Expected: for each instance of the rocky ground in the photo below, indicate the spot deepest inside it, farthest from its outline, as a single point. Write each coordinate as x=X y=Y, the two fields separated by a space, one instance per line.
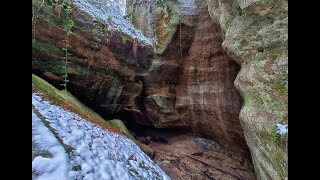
x=185 y=157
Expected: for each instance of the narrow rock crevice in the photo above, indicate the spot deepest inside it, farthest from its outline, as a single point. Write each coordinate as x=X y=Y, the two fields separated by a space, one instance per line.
x=196 y=91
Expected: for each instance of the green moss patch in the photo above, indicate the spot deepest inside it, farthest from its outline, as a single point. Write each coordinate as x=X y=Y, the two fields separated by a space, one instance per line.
x=118 y=124
x=63 y=98
x=282 y=87
x=275 y=145
x=45 y=48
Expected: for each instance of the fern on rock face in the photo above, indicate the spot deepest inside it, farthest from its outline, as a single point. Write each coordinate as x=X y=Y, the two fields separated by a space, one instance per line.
x=68 y=29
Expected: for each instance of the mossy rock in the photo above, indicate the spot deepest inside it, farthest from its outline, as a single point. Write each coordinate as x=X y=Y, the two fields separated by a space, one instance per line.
x=62 y=97
x=118 y=124
x=166 y=20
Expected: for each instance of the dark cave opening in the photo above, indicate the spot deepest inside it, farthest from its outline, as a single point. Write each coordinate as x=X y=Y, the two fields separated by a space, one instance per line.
x=137 y=123
x=131 y=119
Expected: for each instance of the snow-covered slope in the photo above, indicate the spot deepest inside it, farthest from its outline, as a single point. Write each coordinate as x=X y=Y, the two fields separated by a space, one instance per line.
x=112 y=13
x=78 y=149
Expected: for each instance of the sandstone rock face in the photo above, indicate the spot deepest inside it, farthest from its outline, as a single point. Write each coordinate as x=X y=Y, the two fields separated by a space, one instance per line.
x=156 y=19
x=190 y=85
x=256 y=36
x=187 y=80
x=102 y=61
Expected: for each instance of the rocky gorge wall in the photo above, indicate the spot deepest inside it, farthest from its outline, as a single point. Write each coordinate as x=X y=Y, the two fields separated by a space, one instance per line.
x=190 y=84
x=102 y=63
x=219 y=69
x=256 y=36
x=196 y=91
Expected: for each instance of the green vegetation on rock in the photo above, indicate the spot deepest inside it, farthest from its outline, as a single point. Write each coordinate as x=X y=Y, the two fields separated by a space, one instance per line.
x=41 y=85
x=64 y=97
x=45 y=48
x=256 y=36
x=156 y=19
x=118 y=124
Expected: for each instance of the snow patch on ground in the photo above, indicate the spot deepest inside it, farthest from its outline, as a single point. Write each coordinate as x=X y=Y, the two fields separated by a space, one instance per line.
x=97 y=154
x=112 y=13
x=282 y=129
x=55 y=167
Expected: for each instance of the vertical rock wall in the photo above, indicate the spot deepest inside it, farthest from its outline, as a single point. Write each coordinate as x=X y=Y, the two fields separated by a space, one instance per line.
x=256 y=36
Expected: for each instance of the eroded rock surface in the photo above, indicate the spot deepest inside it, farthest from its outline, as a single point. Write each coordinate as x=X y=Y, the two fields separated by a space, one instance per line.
x=103 y=61
x=256 y=36
x=190 y=85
